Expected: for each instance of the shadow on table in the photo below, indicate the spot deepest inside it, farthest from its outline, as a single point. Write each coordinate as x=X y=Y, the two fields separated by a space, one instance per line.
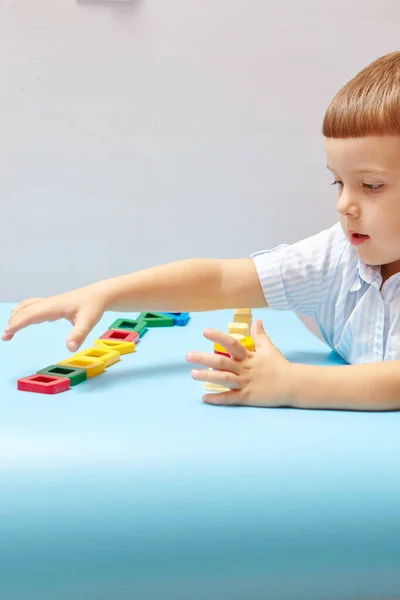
x=133 y=373
x=315 y=358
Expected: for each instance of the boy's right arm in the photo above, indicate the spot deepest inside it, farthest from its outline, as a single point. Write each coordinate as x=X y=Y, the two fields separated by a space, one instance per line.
x=183 y=286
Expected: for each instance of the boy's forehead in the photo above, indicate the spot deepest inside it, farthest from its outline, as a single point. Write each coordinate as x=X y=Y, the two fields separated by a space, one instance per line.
x=379 y=154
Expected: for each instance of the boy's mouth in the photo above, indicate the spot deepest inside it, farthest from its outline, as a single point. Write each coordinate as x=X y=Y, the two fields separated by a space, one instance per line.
x=357 y=238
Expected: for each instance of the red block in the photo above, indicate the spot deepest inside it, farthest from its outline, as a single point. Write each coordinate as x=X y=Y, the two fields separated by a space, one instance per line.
x=222 y=353
x=120 y=335
x=43 y=384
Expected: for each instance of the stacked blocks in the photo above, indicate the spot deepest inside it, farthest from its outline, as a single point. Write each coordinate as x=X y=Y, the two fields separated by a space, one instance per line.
x=240 y=329
x=243 y=315
x=121 y=338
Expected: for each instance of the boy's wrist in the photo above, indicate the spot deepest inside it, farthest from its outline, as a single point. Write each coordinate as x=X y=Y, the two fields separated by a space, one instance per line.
x=293 y=376
x=110 y=291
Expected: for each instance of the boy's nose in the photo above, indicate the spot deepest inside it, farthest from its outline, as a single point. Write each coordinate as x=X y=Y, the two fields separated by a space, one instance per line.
x=347 y=205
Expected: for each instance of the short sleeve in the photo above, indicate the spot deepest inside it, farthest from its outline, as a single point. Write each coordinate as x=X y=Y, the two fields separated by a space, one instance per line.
x=297 y=277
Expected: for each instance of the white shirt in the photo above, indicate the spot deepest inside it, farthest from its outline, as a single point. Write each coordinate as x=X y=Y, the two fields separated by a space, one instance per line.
x=323 y=278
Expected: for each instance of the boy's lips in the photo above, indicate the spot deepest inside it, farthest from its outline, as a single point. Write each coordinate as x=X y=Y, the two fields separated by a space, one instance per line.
x=352 y=232
x=357 y=238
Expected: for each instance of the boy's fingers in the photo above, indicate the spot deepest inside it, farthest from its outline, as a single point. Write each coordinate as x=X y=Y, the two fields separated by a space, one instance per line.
x=215 y=361
x=232 y=346
x=231 y=398
x=223 y=378
x=25 y=304
x=83 y=324
x=6 y=338
x=32 y=315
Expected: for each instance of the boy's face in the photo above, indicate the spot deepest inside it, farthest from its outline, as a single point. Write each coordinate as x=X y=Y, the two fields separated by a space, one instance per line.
x=367 y=171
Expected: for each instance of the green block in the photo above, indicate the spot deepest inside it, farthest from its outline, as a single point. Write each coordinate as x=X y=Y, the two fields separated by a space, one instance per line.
x=130 y=325
x=73 y=374
x=156 y=319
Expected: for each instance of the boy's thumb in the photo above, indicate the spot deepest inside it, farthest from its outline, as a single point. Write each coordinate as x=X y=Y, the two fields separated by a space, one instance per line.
x=261 y=339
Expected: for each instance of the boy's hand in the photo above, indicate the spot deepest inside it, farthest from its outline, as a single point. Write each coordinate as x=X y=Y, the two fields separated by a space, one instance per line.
x=83 y=308
x=260 y=378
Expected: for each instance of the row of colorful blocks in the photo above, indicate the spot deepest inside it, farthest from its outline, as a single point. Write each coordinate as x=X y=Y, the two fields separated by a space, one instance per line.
x=120 y=338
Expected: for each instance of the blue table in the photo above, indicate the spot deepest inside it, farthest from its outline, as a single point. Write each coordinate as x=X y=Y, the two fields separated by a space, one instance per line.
x=128 y=486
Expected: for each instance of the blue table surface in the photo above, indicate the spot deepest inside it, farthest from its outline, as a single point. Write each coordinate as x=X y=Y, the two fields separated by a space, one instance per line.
x=128 y=486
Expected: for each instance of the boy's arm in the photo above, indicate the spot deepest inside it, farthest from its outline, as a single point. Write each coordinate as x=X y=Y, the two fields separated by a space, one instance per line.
x=371 y=386
x=185 y=286
x=192 y=285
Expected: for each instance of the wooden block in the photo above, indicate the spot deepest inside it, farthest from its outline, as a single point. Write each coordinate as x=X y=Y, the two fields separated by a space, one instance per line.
x=243 y=311
x=214 y=387
x=74 y=374
x=43 y=384
x=121 y=347
x=241 y=328
x=92 y=366
x=107 y=355
x=243 y=315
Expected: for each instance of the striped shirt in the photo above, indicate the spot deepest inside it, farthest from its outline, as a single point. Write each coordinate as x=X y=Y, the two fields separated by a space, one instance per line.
x=322 y=277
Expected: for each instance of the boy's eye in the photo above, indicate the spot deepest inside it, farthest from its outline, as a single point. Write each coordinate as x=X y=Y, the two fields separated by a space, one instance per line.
x=374 y=187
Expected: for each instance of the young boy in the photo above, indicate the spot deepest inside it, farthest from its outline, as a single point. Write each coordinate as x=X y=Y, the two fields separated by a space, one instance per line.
x=346 y=278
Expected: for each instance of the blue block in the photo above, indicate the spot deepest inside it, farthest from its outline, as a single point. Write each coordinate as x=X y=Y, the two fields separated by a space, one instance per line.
x=180 y=319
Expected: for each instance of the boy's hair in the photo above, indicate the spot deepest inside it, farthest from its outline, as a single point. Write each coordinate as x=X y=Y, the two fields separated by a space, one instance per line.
x=369 y=104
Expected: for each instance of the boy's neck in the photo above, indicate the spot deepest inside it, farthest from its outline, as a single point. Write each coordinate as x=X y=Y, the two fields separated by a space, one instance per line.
x=388 y=270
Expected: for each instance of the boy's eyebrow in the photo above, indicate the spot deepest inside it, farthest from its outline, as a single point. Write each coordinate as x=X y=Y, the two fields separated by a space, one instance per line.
x=366 y=170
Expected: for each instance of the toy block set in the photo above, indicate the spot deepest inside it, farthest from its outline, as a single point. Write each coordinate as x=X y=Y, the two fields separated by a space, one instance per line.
x=240 y=329
x=121 y=338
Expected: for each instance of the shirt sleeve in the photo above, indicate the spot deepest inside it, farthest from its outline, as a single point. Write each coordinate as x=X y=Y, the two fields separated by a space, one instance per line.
x=297 y=277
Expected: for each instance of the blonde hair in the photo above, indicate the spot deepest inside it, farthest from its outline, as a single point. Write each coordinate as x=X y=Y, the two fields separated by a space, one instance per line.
x=369 y=104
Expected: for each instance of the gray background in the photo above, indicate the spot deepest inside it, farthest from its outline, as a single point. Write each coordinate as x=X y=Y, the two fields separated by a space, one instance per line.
x=139 y=132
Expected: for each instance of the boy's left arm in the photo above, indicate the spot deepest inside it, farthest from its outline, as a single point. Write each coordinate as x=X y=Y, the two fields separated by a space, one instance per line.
x=267 y=378
x=371 y=386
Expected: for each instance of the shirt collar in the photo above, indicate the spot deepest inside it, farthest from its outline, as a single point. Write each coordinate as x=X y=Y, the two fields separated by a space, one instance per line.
x=368 y=273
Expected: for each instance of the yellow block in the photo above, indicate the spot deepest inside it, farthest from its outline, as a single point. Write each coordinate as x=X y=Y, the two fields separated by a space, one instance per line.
x=241 y=328
x=245 y=340
x=215 y=387
x=107 y=356
x=243 y=315
x=92 y=366
x=120 y=347
x=242 y=311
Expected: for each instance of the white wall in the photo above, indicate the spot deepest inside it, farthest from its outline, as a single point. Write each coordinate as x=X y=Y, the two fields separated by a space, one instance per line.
x=138 y=132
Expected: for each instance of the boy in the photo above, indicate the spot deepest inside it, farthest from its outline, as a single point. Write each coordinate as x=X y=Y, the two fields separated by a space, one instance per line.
x=346 y=278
